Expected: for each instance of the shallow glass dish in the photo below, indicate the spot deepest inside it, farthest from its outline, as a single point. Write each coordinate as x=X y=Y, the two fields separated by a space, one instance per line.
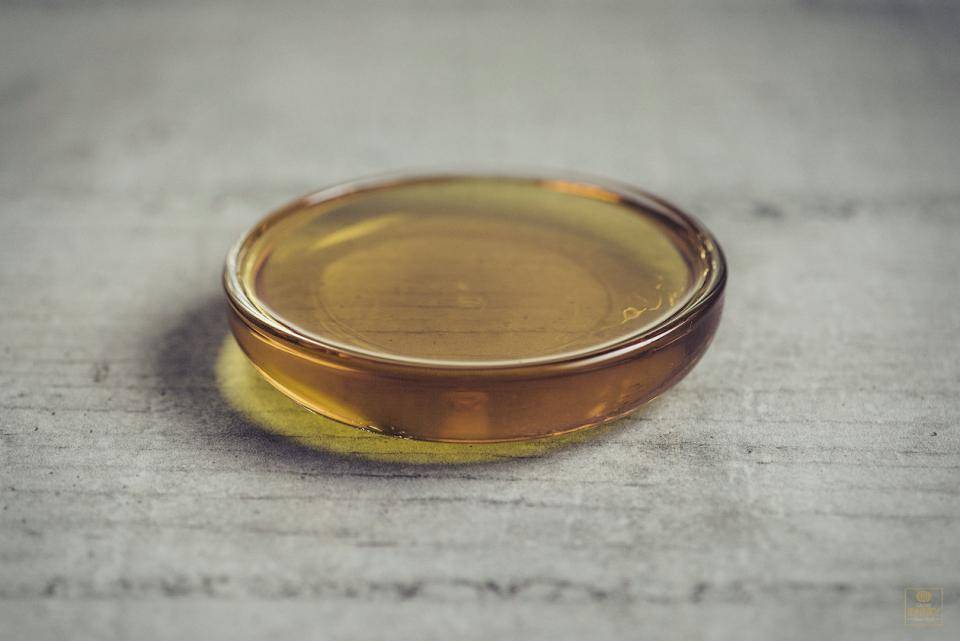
x=475 y=308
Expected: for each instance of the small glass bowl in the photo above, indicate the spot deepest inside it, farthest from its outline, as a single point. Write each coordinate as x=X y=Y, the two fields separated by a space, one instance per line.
x=475 y=308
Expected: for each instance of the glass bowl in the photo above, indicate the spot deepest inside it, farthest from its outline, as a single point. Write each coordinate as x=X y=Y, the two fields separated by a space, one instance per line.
x=475 y=308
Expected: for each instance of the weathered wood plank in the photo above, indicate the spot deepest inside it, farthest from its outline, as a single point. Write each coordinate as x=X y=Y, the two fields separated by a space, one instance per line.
x=803 y=475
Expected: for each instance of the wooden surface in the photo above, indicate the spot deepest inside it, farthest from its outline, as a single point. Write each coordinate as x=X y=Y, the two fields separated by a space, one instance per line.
x=791 y=487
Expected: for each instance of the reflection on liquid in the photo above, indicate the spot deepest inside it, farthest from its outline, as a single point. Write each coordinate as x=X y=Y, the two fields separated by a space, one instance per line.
x=247 y=392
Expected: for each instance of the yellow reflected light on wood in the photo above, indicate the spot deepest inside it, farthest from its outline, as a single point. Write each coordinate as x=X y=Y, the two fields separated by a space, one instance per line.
x=248 y=393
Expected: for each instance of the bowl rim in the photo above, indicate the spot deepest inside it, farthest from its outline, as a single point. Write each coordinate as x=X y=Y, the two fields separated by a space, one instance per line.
x=676 y=325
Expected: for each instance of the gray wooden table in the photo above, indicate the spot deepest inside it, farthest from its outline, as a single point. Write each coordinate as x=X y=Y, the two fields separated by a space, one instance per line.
x=791 y=487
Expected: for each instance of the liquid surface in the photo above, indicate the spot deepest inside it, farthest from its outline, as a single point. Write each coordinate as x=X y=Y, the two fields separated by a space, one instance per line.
x=469 y=271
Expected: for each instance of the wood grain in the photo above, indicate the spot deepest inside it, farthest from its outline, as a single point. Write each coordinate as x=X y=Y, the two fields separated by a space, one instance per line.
x=791 y=487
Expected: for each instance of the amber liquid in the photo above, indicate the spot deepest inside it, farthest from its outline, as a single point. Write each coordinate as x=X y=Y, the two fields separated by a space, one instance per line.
x=446 y=279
